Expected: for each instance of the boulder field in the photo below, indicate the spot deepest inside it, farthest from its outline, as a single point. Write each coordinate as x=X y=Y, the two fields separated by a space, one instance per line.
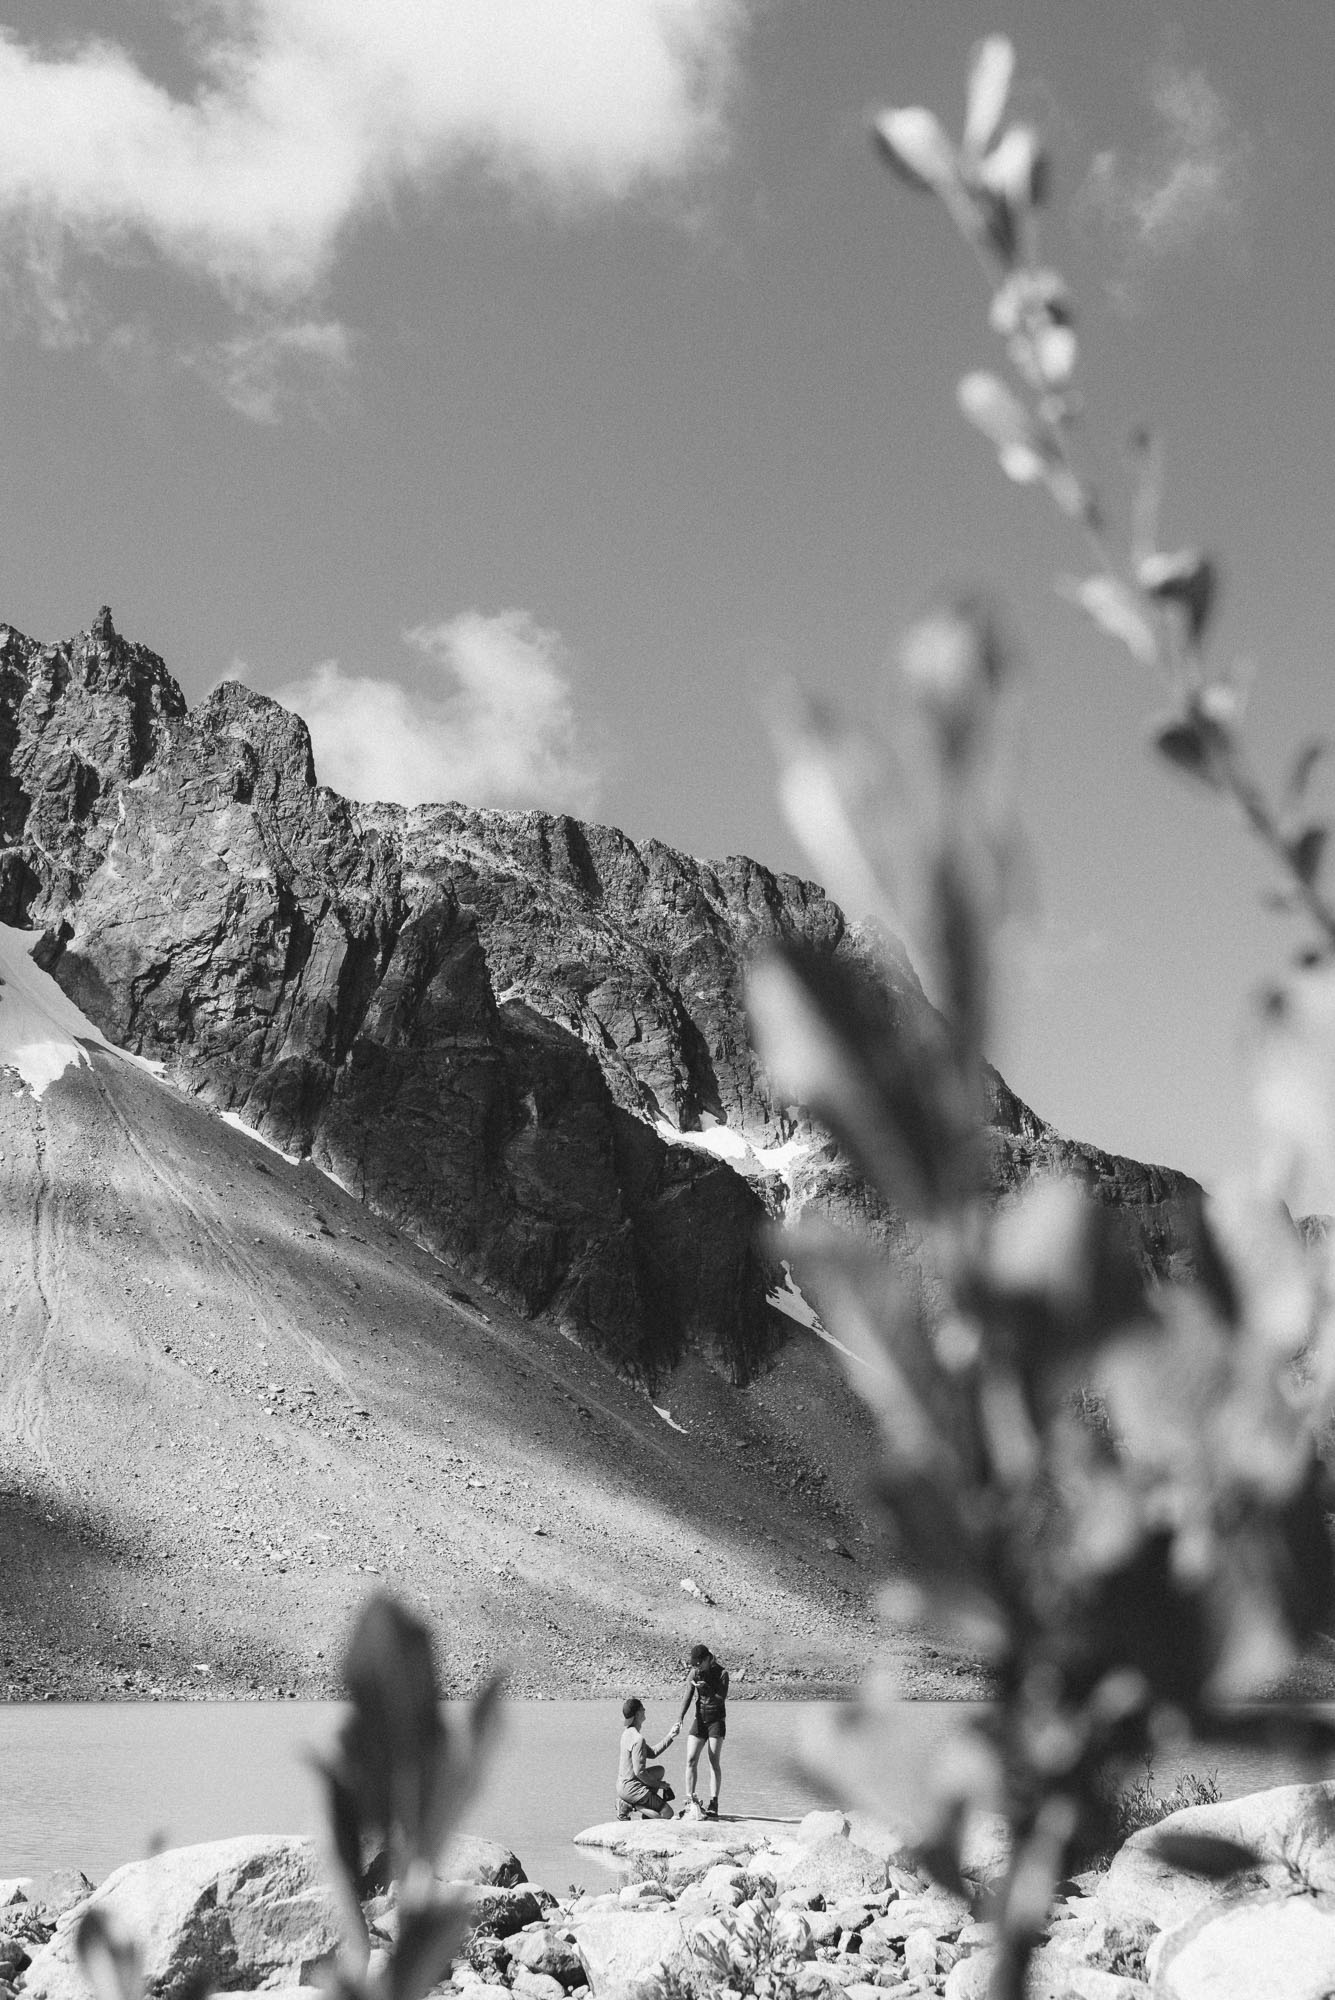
x=832 y=1905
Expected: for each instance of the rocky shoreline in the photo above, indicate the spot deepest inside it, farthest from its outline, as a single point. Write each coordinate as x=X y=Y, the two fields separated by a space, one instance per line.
x=826 y=1907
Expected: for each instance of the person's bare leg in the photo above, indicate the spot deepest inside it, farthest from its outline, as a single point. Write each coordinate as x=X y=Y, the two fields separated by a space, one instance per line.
x=715 y=1757
x=694 y=1745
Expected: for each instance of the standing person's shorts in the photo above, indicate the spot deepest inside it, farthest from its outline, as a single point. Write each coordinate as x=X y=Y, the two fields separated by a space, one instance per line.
x=709 y=1724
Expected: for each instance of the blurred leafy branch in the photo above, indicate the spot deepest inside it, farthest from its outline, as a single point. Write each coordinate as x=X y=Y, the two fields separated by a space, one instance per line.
x=1129 y=1579
x=1157 y=603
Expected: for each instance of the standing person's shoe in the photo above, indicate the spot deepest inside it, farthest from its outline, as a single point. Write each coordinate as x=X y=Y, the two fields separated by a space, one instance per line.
x=711 y=1810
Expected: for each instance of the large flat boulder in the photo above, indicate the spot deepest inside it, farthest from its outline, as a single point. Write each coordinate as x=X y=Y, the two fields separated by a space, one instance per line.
x=1281 y=1943
x=631 y=1837
x=1291 y=1828
x=227 y=1914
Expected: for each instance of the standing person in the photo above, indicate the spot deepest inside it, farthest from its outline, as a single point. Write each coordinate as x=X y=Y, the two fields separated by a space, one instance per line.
x=708 y=1690
x=640 y=1784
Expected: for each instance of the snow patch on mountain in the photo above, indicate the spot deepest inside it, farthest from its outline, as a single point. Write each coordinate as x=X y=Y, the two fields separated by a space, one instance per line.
x=725 y=1142
x=42 y=1032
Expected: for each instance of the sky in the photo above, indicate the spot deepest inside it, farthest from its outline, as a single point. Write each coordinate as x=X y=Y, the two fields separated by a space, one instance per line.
x=523 y=389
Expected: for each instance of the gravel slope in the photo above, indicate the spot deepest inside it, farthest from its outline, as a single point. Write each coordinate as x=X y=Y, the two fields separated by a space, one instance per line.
x=232 y=1401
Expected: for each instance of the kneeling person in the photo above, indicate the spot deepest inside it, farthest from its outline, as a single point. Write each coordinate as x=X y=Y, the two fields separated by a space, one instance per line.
x=640 y=1784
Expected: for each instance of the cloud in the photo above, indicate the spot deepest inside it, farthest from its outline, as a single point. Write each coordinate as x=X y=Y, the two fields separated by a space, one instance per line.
x=1191 y=182
x=307 y=113
x=491 y=721
x=270 y=367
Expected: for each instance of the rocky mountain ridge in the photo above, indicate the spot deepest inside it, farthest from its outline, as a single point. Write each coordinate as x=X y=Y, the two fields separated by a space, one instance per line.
x=520 y=1038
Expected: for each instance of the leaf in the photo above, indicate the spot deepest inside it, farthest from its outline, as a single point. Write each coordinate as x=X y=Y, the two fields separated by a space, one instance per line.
x=999 y=414
x=994 y=409
x=109 y=1963
x=1115 y=610
x=833 y=1044
x=1305 y=852
x=914 y=143
x=1187 y=579
x=990 y=77
x=1304 y=764
x=394 y=1740
x=1016 y=172
x=1145 y=455
x=954 y=660
x=1197 y=745
x=1056 y=351
x=424 y=1946
x=1207 y=1854
x=345 y=1840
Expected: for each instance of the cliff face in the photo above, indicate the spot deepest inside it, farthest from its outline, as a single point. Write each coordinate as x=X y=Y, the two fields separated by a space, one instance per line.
x=518 y=1037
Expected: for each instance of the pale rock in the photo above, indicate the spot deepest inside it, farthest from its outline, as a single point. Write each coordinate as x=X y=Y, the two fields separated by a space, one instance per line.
x=470 y=1858
x=693 y=1863
x=1275 y=1946
x=819 y=1826
x=836 y=1866
x=537 y=1985
x=1290 y=1828
x=865 y=1830
x=852 y=1916
x=236 y=1913
x=935 y=1910
x=1093 y=1982
x=660 y=1838
x=823 y=1925
x=15 y=1889
x=695 y=1901
x=812 y=1978
x=627 y=1944
x=279 y=1993
x=55 y=1894
x=920 y=1954
x=548 y=1952
x=1049 y=1979
x=724 y=1885
x=792 y=1933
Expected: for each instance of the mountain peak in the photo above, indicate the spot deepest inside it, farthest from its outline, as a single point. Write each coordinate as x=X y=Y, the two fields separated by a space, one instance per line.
x=502 y=1030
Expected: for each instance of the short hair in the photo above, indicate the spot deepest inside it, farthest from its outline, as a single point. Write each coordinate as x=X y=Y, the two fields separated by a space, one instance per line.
x=699 y=1654
x=630 y=1705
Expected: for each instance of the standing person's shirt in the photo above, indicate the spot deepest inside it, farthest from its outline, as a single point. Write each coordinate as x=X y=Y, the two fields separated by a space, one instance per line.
x=709 y=1686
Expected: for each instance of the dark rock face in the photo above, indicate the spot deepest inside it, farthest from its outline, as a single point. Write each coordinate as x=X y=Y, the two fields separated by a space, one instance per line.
x=493 y=1027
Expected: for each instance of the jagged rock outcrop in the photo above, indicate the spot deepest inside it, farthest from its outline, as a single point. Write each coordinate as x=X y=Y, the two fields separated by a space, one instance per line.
x=519 y=1037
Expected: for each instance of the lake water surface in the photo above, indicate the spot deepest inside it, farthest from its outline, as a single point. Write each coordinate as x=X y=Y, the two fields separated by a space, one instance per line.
x=91 y=1785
